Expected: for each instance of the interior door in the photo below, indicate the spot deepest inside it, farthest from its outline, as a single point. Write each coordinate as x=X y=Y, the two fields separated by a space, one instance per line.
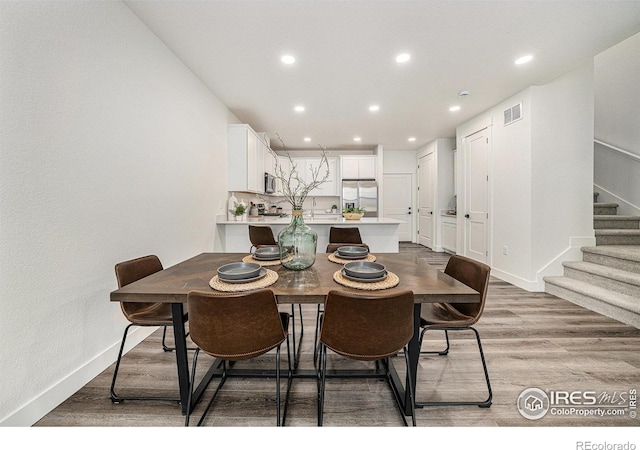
x=397 y=202
x=426 y=187
x=476 y=216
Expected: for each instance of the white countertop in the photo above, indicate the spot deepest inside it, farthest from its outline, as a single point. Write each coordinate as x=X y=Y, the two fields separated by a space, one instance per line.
x=272 y=220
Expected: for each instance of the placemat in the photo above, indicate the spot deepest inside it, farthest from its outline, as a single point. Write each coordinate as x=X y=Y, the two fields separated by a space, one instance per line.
x=392 y=280
x=219 y=285
x=251 y=259
x=336 y=259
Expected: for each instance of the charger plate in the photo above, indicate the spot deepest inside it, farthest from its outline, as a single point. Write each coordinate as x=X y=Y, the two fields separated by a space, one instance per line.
x=336 y=259
x=219 y=285
x=392 y=280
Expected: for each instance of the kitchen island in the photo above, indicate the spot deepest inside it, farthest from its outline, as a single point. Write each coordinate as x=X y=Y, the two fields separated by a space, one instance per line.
x=379 y=233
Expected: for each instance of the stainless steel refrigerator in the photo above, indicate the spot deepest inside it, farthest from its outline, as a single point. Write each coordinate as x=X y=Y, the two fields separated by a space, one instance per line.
x=361 y=194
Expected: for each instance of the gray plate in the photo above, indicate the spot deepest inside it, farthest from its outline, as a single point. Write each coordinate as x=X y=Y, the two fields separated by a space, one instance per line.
x=239 y=271
x=349 y=250
x=349 y=257
x=364 y=269
x=365 y=280
x=267 y=253
x=261 y=274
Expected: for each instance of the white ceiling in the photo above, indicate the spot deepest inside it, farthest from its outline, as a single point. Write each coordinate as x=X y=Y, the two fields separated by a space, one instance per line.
x=346 y=52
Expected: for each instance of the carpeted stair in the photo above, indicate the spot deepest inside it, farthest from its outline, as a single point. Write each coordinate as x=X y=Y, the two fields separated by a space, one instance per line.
x=607 y=280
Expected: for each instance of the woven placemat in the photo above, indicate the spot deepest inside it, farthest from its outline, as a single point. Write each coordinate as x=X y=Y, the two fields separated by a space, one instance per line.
x=336 y=259
x=251 y=259
x=219 y=285
x=392 y=280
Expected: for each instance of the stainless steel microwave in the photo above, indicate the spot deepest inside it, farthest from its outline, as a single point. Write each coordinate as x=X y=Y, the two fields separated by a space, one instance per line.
x=269 y=183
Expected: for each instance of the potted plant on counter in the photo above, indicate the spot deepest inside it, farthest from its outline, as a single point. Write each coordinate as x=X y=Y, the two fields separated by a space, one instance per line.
x=239 y=211
x=353 y=213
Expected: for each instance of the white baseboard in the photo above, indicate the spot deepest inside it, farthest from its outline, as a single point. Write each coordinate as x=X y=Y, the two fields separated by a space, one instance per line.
x=572 y=253
x=527 y=285
x=44 y=403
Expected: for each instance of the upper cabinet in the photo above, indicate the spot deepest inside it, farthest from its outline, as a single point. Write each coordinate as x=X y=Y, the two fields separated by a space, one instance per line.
x=304 y=166
x=249 y=158
x=358 y=167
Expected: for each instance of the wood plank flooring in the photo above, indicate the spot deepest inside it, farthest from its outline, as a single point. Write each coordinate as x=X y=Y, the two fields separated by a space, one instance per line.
x=529 y=339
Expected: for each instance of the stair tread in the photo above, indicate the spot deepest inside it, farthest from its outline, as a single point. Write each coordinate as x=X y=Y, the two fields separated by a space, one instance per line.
x=597 y=269
x=626 y=252
x=606 y=205
x=589 y=290
x=617 y=232
x=614 y=217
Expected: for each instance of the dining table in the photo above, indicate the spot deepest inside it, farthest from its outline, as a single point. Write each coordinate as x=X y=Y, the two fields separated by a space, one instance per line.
x=310 y=286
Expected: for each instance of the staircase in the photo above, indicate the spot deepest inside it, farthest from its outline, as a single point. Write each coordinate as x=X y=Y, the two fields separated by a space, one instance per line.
x=607 y=280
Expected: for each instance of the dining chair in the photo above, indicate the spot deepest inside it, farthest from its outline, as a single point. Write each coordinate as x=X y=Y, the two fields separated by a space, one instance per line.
x=338 y=237
x=262 y=236
x=366 y=328
x=459 y=317
x=341 y=236
x=147 y=314
x=237 y=326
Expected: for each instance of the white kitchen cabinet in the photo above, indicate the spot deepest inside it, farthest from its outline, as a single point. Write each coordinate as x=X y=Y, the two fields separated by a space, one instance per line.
x=449 y=235
x=304 y=166
x=246 y=159
x=358 y=167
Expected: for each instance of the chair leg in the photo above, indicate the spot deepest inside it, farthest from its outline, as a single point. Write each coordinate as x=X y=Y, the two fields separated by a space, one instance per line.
x=316 y=344
x=411 y=388
x=117 y=399
x=484 y=403
x=191 y=386
x=322 y=380
x=215 y=394
x=289 y=381
x=437 y=352
x=278 y=386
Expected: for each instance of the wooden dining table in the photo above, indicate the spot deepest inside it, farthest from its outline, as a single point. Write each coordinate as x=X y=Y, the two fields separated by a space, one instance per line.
x=309 y=286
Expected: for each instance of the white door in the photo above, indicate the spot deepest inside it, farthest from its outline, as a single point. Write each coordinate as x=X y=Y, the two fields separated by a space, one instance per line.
x=397 y=200
x=476 y=216
x=426 y=186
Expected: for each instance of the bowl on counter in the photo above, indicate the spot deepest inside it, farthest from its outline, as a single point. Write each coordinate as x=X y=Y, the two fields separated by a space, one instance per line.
x=353 y=216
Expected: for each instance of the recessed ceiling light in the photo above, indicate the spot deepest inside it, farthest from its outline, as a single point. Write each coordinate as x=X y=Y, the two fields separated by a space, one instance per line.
x=299 y=108
x=288 y=59
x=524 y=59
x=307 y=139
x=357 y=139
x=463 y=93
x=411 y=139
x=454 y=108
x=403 y=58
x=374 y=108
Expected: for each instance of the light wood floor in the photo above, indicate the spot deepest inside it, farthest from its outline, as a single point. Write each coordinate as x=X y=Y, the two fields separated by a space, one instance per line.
x=529 y=339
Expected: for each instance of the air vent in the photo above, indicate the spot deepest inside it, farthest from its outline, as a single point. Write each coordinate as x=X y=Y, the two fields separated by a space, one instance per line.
x=513 y=114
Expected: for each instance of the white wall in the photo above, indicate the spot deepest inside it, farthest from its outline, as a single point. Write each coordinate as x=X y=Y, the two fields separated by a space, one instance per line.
x=540 y=170
x=617 y=117
x=109 y=146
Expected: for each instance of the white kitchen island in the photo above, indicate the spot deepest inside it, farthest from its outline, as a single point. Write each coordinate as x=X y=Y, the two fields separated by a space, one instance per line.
x=379 y=233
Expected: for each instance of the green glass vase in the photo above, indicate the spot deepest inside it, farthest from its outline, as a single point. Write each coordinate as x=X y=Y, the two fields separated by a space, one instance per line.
x=297 y=243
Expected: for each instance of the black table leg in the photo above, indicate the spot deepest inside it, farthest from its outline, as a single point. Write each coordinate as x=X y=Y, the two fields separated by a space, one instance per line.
x=182 y=362
x=414 y=354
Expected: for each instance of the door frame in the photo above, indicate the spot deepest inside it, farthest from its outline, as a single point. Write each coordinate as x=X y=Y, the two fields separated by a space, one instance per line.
x=463 y=182
x=413 y=220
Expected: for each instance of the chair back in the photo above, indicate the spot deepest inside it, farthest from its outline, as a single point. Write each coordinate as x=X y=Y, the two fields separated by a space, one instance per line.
x=475 y=275
x=235 y=326
x=261 y=235
x=345 y=235
x=133 y=270
x=367 y=327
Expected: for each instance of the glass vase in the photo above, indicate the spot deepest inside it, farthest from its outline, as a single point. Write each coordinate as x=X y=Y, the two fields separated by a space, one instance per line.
x=297 y=243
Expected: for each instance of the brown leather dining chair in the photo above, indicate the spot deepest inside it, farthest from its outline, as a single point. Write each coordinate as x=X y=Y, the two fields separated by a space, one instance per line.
x=263 y=236
x=459 y=316
x=340 y=236
x=237 y=326
x=365 y=328
x=141 y=314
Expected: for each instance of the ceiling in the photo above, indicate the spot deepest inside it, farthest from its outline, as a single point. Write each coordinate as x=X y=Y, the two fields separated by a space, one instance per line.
x=345 y=60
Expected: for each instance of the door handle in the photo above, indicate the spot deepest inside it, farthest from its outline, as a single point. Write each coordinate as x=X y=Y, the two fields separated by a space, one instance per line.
x=431 y=212
x=466 y=216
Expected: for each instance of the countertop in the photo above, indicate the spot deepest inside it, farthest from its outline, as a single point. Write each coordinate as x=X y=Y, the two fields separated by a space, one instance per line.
x=272 y=220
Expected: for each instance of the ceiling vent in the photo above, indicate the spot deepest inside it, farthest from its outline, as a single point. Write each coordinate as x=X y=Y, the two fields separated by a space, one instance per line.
x=513 y=114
